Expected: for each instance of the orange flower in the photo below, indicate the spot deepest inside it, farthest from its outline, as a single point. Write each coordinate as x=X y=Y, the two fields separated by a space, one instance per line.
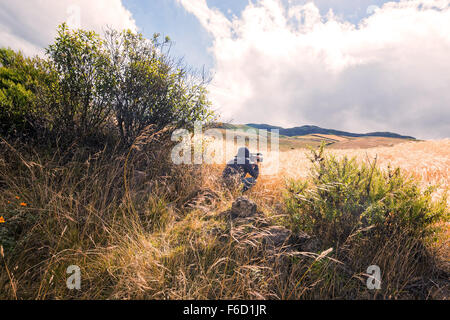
x=23 y=204
x=2 y=220
x=17 y=197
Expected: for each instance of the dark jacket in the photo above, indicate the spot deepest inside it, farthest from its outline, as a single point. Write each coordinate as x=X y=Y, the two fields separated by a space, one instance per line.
x=241 y=166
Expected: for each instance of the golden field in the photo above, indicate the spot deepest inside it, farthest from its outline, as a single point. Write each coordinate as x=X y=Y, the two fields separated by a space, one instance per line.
x=166 y=236
x=428 y=161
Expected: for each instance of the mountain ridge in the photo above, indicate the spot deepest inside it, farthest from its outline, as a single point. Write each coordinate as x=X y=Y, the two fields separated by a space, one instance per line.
x=310 y=129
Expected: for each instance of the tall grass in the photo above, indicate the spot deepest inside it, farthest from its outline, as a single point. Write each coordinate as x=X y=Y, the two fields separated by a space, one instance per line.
x=140 y=227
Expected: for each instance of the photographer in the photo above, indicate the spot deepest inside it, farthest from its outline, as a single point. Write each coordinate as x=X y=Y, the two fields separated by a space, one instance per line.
x=242 y=165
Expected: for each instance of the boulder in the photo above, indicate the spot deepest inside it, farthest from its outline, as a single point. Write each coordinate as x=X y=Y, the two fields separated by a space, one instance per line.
x=249 y=226
x=243 y=208
x=276 y=237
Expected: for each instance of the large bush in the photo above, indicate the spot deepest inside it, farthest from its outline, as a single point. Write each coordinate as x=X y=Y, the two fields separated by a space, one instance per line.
x=18 y=79
x=87 y=84
x=344 y=196
x=149 y=87
x=369 y=217
x=80 y=99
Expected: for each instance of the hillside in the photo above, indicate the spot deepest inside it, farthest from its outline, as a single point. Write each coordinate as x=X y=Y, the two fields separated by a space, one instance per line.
x=305 y=130
x=313 y=136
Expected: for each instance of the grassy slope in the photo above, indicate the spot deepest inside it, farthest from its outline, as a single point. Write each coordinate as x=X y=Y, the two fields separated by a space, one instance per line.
x=160 y=238
x=287 y=143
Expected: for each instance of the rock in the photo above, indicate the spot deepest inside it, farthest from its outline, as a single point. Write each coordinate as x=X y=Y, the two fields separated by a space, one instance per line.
x=250 y=227
x=257 y=221
x=306 y=243
x=276 y=236
x=243 y=208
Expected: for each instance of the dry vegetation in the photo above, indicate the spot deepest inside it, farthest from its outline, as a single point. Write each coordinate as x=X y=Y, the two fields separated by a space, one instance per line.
x=86 y=179
x=428 y=161
x=158 y=233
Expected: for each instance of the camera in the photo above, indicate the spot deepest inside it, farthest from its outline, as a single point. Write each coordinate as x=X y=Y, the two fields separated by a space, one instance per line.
x=256 y=157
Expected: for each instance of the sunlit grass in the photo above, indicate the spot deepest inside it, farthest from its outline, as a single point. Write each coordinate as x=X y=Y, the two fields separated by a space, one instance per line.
x=159 y=238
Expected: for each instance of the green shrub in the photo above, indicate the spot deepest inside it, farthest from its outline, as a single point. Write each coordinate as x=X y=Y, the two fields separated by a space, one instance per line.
x=16 y=92
x=82 y=95
x=343 y=196
x=89 y=87
x=149 y=87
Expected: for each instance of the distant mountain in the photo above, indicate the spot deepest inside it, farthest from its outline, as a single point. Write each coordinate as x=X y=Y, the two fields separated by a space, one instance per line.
x=305 y=130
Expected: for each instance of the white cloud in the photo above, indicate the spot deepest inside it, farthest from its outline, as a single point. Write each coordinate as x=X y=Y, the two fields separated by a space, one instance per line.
x=290 y=65
x=31 y=25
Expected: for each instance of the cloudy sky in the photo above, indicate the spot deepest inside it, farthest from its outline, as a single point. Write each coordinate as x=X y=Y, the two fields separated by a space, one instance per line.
x=355 y=65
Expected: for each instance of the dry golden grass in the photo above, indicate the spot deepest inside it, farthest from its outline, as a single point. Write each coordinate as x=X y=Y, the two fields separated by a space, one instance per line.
x=428 y=161
x=332 y=137
x=138 y=239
